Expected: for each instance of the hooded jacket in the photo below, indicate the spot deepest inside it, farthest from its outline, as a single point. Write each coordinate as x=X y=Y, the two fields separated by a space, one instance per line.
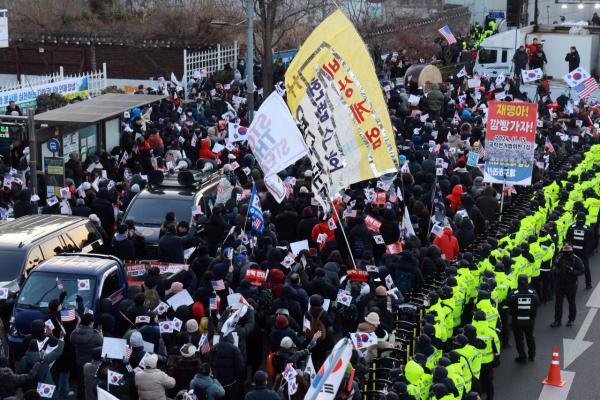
x=84 y=339
x=448 y=244
x=454 y=197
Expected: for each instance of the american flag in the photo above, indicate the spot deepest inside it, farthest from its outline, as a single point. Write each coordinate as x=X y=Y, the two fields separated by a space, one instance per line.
x=218 y=285
x=447 y=34
x=587 y=87
x=67 y=315
x=213 y=303
x=481 y=151
x=204 y=344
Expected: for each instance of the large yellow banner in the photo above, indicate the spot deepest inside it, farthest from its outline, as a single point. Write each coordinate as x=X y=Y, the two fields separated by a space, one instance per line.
x=333 y=93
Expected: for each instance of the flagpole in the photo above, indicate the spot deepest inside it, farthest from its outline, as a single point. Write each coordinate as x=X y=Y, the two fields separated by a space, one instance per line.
x=344 y=234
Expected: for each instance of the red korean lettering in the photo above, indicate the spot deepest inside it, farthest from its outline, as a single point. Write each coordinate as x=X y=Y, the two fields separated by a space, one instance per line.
x=358 y=109
x=332 y=67
x=373 y=137
x=344 y=88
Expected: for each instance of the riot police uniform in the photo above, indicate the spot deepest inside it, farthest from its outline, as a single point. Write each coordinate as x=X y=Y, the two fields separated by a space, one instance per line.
x=523 y=304
x=581 y=237
x=568 y=268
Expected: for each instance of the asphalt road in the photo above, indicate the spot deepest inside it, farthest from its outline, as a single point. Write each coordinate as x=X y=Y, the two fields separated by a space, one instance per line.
x=514 y=381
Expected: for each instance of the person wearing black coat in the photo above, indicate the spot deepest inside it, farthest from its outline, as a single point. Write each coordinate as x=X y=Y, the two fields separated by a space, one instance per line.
x=80 y=209
x=260 y=390
x=122 y=246
x=488 y=204
x=215 y=230
x=465 y=233
x=306 y=225
x=102 y=207
x=228 y=367
x=171 y=246
x=389 y=230
x=573 y=58
x=320 y=285
x=286 y=222
x=475 y=215
x=23 y=205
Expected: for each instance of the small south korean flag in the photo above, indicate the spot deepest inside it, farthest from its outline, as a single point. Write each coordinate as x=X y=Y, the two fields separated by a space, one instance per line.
x=532 y=75
x=461 y=73
x=3 y=293
x=343 y=297
x=114 y=377
x=45 y=390
x=83 y=284
x=331 y=224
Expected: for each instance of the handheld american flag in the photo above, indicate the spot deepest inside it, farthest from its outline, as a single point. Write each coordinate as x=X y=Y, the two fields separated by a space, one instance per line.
x=587 y=87
x=67 y=315
x=447 y=34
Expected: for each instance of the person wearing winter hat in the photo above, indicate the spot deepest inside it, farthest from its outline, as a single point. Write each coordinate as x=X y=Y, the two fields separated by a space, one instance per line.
x=280 y=330
x=287 y=353
x=151 y=382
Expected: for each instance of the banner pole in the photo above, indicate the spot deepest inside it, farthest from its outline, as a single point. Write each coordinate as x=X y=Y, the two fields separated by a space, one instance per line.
x=344 y=234
x=502 y=198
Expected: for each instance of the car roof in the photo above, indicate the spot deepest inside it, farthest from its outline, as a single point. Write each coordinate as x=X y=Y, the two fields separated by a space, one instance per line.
x=31 y=228
x=166 y=192
x=78 y=264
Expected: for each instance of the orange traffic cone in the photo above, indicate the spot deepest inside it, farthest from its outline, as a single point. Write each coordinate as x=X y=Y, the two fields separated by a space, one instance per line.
x=554 y=371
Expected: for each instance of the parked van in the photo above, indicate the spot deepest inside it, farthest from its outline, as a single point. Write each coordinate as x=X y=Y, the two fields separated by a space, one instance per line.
x=29 y=240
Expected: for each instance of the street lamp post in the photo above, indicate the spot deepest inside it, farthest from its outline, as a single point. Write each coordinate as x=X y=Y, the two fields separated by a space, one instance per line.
x=250 y=59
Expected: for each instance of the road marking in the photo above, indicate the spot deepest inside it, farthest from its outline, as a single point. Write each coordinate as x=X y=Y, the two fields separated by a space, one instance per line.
x=558 y=393
x=573 y=348
x=594 y=300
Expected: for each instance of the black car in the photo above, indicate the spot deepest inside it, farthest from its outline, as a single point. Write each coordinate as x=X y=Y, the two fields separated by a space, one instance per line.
x=148 y=208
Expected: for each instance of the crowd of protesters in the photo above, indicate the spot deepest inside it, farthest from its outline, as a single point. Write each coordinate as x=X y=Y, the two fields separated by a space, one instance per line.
x=294 y=314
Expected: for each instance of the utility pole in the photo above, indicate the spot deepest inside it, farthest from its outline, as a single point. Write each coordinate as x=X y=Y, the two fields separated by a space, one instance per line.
x=250 y=60
x=32 y=150
x=536 y=14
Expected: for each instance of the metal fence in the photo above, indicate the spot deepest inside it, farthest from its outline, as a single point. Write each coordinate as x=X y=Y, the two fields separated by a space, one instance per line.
x=211 y=60
x=97 y=81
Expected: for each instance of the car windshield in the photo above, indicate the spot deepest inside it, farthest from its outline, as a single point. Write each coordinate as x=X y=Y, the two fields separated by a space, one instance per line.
x=12 y=264
x=487 y=56
x=152 y=211
x=41 y=287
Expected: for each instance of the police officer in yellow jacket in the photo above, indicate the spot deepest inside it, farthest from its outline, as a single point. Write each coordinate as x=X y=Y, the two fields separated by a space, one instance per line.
x=492 y=348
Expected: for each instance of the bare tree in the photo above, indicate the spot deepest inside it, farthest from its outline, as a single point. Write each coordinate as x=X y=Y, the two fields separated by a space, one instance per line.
x=276 y=20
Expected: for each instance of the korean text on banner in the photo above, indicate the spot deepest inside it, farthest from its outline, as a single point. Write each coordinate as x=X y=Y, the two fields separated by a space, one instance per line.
x=70 y=88
x=510 y=142
x=274 y=138
x=334 y=94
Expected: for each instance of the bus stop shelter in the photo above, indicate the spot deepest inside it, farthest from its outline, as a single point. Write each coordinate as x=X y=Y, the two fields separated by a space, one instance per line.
x=86 y=127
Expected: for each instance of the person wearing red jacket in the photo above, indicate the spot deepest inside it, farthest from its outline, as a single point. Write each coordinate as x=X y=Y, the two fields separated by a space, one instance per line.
x=454 y=197
x=448 y=244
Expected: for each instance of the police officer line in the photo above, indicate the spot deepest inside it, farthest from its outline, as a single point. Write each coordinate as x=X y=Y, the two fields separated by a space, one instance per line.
x=483 y=283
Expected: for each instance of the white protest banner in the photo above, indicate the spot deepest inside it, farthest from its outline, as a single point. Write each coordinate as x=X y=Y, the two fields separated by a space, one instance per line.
x=276 y=187
x=182 y=298
x=114 y=348
x=297 y=247
x=104 y=395
x=274 y=138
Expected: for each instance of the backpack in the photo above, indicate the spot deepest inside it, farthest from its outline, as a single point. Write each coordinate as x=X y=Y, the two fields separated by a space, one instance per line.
x=152 y=297
x=405 y=282
x=316 y=325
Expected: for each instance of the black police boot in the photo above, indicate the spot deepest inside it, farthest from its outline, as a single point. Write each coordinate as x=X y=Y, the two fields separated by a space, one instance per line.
x=555 y=324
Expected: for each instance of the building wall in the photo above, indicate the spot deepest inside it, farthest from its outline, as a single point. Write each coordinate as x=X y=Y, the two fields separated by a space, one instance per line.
x=480 y=8
x=123 y=62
